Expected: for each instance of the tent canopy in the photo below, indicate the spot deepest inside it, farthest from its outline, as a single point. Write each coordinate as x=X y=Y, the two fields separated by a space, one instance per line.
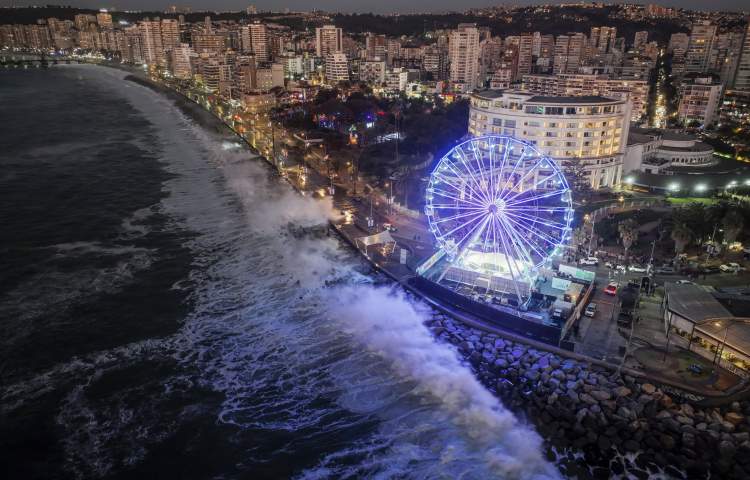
x=382 y=237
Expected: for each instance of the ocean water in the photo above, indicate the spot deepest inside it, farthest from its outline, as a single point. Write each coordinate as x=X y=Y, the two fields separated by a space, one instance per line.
x=158 y=318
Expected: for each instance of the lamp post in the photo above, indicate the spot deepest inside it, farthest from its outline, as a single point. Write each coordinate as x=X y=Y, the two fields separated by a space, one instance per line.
x=717 y=355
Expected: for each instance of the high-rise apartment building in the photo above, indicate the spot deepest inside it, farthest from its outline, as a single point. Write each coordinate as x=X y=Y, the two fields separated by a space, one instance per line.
x=463 y=54
x=525 y=53
x=104 y=19
x=259 y=40
x=699 y=100
x=337 y=68
x=153 y=48
x=702 y=36
x=170 y=33
x=328 y=40
x=640 y=39
x=569 y=50
x=180 y=59
x=742 y=75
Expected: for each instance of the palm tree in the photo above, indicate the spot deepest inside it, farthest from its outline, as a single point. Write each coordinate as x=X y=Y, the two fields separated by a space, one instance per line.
x=682 y=236
x=733 y=223
x=628 y=230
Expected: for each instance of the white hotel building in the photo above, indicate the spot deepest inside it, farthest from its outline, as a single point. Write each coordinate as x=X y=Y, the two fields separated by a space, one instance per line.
x=585 y=134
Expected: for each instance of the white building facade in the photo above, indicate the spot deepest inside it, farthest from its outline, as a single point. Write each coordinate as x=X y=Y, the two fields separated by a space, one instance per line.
x=587 y=135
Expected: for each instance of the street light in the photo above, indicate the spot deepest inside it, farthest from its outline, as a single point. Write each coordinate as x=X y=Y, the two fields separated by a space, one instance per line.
x=674 y=186
x=701 y=187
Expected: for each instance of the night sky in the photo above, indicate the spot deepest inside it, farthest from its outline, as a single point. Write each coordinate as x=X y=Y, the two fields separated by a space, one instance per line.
x=381 y=6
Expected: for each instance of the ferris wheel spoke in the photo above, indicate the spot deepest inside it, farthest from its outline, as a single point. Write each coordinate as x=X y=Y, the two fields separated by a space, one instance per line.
x=536 y=197
x=465 y=162
x=545 y=222
x=455 y=207
x=456 y=217
x=449 y=163
x=508 y=261
x=533 y=187
x=535 y=231
x=540 y=209
x=461 y=200
x=524 y=241
x=523 y=177
x=475 y=218
x=478 y=157
x=456 y=187
x=522 y=254
x=503 y=192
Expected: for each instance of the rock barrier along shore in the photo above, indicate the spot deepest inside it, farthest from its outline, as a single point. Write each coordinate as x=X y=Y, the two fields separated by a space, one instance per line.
x=618 y=422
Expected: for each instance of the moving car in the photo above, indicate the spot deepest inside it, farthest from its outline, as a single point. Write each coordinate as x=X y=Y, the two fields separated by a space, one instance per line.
x=731 y=267
x=590 y=310
x=684 y=282
x=666 y=270
x=589 y=261
x=611 y=289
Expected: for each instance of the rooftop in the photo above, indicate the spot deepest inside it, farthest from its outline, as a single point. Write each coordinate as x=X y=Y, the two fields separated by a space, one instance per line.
x=694 y=303
x=583 y=99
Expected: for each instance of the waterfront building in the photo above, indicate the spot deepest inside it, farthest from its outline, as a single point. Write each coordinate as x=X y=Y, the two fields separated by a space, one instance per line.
x=153 y=49
x=181 y=61
x=701 y=321
x=328 y=40
x=464 y=57
x=699 y=100
x=170 y=34
x=208 y=43
x=586 y=134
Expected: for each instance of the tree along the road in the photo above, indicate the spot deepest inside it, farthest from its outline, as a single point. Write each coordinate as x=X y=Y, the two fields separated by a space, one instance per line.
x=682 y=235
x=733 y=223
x=628 y=230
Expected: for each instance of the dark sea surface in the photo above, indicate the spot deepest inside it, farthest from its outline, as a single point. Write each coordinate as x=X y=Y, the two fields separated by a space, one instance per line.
x=158 y=318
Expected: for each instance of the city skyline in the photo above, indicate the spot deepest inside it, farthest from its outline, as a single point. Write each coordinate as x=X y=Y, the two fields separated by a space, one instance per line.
x=347 y=6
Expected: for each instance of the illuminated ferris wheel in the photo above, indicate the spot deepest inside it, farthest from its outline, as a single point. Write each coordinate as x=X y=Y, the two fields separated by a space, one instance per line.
x=499 y=208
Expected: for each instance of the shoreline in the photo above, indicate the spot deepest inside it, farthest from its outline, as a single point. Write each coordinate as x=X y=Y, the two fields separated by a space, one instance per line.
x=575 y=405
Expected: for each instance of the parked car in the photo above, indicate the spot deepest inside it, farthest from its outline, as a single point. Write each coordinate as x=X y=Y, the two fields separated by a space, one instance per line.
x=621 y=268
x=590 y=310
x=638 y=269
x=731 y=267
x=589 y=261
x=611 y=289
x=390 y=227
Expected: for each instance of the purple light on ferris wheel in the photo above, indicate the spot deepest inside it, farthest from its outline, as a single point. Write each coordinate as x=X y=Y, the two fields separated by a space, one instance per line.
x=501 y=202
